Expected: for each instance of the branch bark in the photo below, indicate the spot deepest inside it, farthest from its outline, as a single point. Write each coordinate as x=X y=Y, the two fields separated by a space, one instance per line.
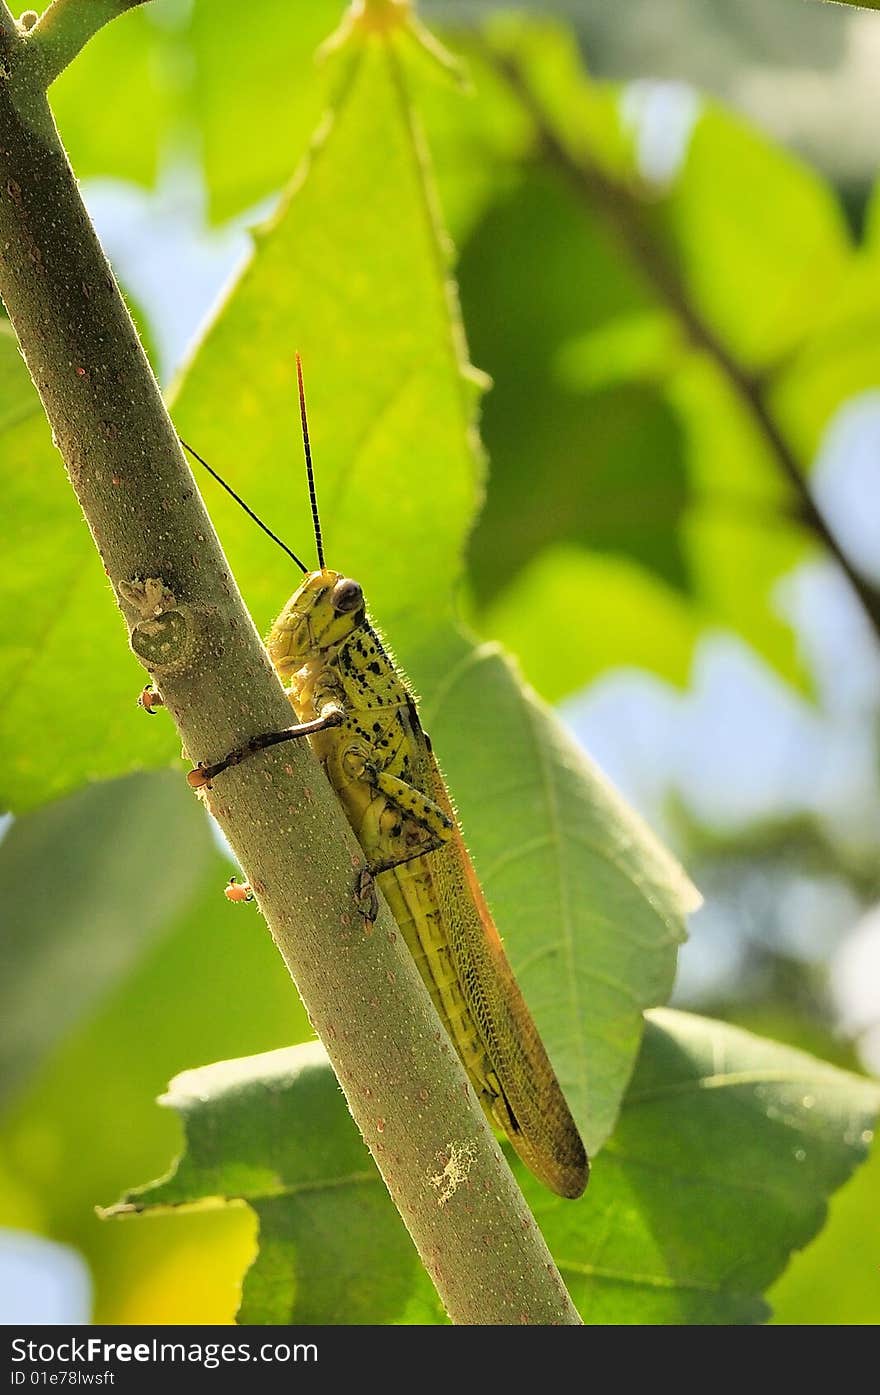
x=404 y=1084
x=623 y=212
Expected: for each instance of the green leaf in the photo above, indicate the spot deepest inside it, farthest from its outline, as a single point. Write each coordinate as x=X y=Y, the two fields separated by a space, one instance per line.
x=67 y=681
x=257 y=93
x=320 y=1197
x=726 y=1151
x=363 y=296
x=583 y=110
x=628 y=349
x=93 y=887
x=833 y=1280
x=739 y=535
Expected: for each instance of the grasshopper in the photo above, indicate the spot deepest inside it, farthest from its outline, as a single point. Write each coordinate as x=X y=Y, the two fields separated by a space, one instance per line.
x=356 y=708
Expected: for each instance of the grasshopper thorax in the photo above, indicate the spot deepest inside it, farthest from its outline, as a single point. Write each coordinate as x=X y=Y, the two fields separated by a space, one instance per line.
x=320 y=616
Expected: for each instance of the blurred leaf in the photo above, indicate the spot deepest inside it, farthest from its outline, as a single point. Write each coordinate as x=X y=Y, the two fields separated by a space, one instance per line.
x=872 y=217
x=68 y=683
x=740 y=536
x=578 y=884
x=477 y=142
x=604 y=469
x=637 y=348
x=570 y=615
x=724 y=1156
x=257 y=93
x=838 y=362
x=89 y=886
x=760 y=238
x=836 y=1281
x=130 y=63
x=612 y=438
x=210 y=984
x=583 y=110
x=591 y=365
x=246 y=92
x=738 y=559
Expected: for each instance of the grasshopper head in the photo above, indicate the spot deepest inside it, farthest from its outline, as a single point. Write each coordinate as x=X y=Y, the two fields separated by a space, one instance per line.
x=318 y=617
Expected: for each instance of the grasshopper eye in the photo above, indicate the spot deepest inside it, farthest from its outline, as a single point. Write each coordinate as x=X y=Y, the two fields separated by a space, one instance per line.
x=346 y=596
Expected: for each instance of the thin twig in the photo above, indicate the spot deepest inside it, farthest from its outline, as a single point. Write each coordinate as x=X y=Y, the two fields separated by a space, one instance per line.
x=624 y=213
x=65 y=28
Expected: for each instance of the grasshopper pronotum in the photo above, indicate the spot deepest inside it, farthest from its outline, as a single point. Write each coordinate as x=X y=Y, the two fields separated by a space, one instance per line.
x=354 y=704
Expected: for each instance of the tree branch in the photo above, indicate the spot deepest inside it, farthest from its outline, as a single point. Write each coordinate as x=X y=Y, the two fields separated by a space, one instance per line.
x=405 y=1085
x=624 y=213
x=65 y=28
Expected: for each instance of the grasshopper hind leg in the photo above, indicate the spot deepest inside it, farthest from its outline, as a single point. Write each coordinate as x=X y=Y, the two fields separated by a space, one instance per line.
x=404 y=824
x=365 y=894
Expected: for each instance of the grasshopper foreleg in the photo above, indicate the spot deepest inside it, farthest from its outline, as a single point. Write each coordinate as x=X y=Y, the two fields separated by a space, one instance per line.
x=203 y=774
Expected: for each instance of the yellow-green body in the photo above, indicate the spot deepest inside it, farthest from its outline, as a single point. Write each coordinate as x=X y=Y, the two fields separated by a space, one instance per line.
x=381 y=765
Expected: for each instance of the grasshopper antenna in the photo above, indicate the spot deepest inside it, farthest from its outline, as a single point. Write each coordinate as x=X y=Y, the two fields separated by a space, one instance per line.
x=313 y=499
x=248 y=510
